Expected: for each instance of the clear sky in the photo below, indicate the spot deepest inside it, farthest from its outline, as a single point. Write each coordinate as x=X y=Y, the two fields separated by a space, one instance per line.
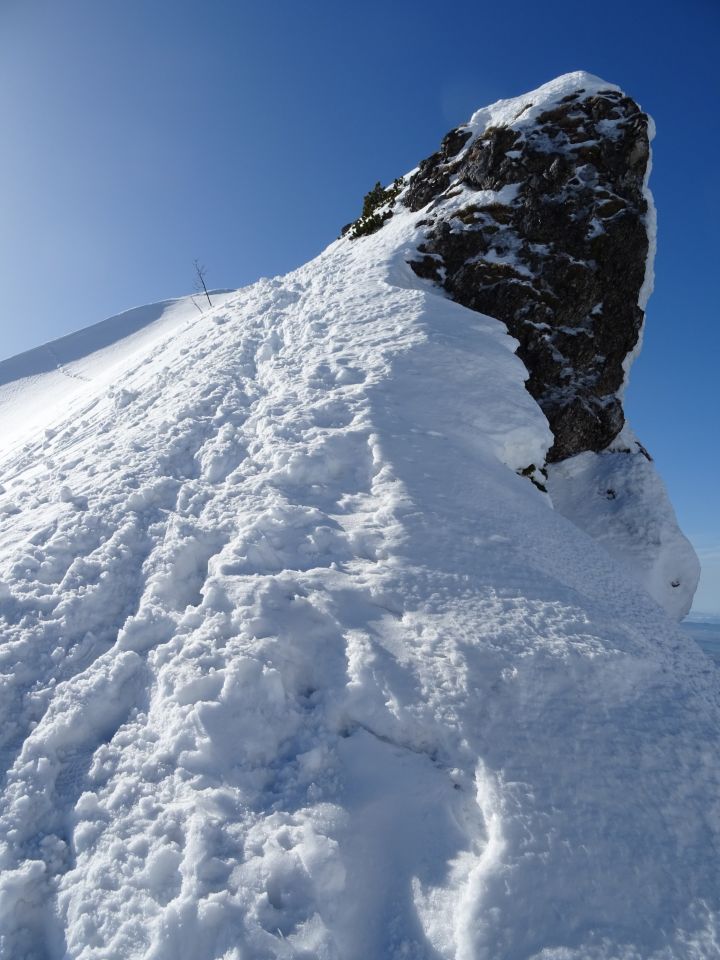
x=140 y=134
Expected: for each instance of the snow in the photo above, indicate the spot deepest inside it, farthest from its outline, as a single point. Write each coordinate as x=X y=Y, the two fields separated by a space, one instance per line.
x=523 y=111
x=296 y=665
x=618 y=498
x=41 y=385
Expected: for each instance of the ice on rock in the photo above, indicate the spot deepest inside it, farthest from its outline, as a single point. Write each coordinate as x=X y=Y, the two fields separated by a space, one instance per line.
x=315 y=673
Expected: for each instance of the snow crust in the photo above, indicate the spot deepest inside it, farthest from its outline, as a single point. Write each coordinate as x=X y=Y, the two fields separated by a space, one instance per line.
x=295 y=665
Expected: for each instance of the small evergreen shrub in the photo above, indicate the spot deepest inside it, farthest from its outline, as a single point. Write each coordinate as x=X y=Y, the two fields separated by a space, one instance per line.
x=377 y=208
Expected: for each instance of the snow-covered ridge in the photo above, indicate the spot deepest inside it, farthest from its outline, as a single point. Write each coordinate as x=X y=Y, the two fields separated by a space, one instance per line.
x=42 y=385
x=294 y=664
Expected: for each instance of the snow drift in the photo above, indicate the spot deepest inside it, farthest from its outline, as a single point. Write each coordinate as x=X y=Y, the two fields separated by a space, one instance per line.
x=295 y=664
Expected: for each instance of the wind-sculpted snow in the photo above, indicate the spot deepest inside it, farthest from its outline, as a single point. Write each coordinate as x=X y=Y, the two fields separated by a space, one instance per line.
x=296 y=665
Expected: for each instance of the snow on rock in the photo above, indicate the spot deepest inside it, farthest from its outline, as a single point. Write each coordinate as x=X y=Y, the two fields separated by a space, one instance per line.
x=294 y=664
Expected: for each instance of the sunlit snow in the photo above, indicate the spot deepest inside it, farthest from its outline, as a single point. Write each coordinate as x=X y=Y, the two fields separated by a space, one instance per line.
x=294 y=664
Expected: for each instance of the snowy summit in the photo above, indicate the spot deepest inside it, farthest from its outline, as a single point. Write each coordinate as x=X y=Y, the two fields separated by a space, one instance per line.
x=339 y=621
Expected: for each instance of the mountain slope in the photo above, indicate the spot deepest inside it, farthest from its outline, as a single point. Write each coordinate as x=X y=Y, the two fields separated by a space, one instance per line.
x=44 y=384
x=295 y=664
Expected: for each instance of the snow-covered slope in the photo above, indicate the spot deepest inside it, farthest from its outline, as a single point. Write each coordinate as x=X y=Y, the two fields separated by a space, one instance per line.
x=43 y=385
x=294 y=663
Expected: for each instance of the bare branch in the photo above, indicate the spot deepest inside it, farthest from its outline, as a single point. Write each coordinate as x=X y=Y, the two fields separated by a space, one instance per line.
x=200 y=272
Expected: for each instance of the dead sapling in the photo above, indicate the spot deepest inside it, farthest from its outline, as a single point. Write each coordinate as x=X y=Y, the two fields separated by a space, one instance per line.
x=200 y=280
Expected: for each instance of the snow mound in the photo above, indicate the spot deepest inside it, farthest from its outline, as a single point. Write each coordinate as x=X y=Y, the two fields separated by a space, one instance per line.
x=618 y=498
x=296 y=665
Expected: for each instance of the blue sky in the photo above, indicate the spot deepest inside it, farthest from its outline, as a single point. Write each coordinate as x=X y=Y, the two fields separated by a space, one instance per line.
x=141 y=134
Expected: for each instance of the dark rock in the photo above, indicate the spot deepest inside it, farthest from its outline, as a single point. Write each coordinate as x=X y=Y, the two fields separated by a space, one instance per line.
x=562 y=262
x=453 y=142
x=427 y=268
x=435 y=170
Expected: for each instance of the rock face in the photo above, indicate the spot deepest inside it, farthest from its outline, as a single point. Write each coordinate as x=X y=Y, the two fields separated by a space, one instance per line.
x=541 y=220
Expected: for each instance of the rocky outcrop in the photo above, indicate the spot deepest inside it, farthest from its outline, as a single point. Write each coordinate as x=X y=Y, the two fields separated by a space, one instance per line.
x=537 y=213
x=540 y=220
